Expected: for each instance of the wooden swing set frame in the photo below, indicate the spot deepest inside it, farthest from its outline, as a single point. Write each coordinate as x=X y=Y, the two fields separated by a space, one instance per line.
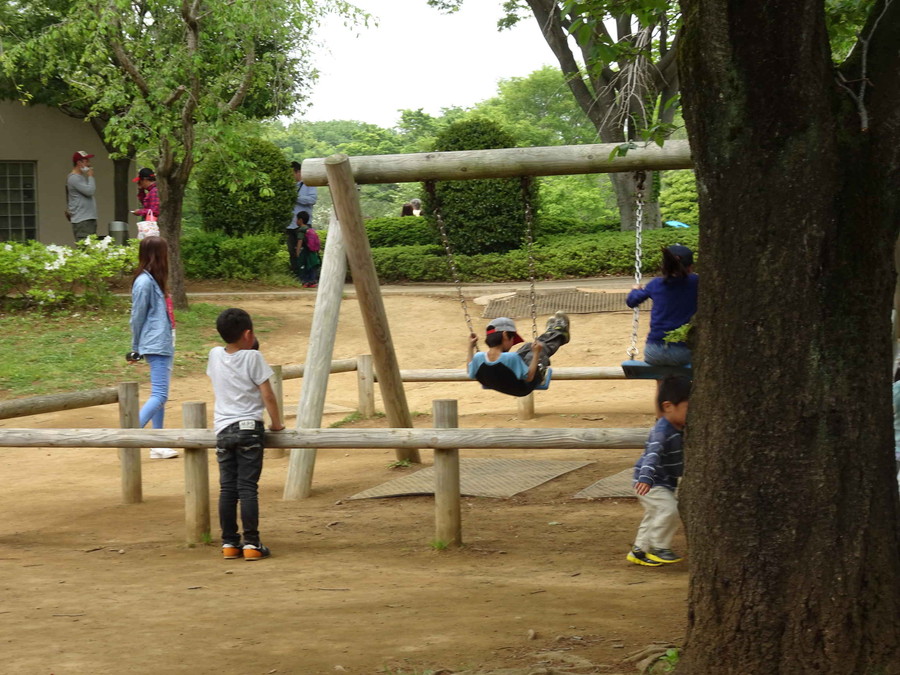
x=349 y=244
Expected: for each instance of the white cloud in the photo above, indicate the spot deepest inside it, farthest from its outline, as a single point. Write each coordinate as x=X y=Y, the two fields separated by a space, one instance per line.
x=417 y=57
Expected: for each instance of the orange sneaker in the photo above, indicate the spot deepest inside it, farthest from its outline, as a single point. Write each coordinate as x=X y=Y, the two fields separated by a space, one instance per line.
x=259 y=552
x=231 y=551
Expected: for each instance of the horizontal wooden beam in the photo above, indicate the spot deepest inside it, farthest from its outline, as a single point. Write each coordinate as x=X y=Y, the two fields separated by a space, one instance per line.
x=556 y=160
x=460 y=375
x=331 y=438
x=38 y=405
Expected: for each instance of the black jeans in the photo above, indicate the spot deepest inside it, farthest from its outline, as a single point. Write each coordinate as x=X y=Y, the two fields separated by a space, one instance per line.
x=292 y=251
x=552 y=341
x=240 y=456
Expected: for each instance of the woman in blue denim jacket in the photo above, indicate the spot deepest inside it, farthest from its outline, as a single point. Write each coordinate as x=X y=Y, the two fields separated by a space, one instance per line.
x=152 y=330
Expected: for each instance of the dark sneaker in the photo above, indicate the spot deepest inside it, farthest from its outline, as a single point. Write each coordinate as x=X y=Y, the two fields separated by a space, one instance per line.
x=259 y=552
x=663 y=555
x=638 y=557
x=560 y=323
x=232 y=551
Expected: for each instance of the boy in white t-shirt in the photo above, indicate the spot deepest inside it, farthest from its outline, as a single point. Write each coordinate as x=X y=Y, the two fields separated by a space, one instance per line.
x=240 y=379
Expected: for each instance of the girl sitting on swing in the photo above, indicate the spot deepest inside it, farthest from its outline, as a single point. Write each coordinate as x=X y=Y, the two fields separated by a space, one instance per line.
x=516 y=373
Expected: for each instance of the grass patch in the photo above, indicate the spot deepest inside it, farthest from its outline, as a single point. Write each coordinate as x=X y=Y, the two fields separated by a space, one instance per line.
x=86 y=349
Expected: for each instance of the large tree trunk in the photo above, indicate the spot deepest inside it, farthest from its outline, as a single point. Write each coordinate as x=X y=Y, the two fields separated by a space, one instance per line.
x=171 y=201
x=625 y=187
x=789 y=498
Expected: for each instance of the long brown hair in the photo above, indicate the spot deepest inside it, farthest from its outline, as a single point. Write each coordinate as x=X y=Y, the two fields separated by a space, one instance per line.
x=153 y=257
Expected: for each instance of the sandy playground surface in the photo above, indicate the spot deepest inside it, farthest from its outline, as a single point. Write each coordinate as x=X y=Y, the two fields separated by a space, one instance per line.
x=91 y=585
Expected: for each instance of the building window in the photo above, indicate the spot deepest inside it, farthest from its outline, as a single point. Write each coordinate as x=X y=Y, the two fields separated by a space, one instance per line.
x=18 y=209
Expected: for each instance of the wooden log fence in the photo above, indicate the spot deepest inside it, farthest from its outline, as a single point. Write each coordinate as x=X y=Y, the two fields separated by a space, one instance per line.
x=446 y=440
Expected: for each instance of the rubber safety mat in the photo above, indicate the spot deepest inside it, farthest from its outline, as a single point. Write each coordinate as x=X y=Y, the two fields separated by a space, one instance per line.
x=617 y=485
x=569 y=300
x=479 y=478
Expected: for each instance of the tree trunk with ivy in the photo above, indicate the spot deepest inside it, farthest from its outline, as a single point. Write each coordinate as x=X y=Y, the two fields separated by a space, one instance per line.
x=790 y=500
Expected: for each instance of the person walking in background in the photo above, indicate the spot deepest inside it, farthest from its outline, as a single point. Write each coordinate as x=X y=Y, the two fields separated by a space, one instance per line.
x=81 y=207
x=406 y=210
x=147 y=195
x=305 y=199
x=416 y=206
x=309 y=262
x=153 y=331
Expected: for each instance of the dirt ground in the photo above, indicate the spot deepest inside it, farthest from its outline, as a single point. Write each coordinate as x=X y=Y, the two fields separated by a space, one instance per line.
x=91 y=585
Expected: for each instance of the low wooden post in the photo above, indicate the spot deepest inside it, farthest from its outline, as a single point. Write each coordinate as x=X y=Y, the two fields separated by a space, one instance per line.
x=525 y=406
x=365 y=379
x=277 y=381
x=319 y=351
x=447 y=518
x=368 y=291
x=130 y=458
x=196 y=478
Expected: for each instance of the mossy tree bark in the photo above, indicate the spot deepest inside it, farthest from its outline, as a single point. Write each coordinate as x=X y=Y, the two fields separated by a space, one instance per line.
x=789 y=498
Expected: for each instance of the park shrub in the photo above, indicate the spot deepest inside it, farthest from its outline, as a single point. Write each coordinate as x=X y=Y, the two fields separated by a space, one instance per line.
x=53 y=277
x=551 y=226
x=678 y=197
x=213 y=255
x=250 y=193
x=610 y=253
x=400 y=231
x=481 y=216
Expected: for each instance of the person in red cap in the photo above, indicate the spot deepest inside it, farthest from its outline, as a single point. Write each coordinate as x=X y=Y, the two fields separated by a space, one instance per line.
x=516 y=373
x=147 y=195
x=81 y=208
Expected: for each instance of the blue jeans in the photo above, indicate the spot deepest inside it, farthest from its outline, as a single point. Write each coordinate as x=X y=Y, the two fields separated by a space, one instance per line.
x=667 y=354
x=240 y=456
x=154 y=410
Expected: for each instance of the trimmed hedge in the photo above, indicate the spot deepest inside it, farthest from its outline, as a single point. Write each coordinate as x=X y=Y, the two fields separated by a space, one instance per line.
x=400 y=231
x=213 y=255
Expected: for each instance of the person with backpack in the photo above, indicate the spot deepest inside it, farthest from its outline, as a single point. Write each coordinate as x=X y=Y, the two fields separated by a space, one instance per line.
x=308 y=246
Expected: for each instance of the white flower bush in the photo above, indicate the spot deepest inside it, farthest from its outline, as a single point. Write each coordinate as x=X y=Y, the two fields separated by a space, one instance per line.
x=52 y=276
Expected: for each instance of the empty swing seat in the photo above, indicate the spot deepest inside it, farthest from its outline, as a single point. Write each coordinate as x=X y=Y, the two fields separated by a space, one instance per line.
x=641 y=370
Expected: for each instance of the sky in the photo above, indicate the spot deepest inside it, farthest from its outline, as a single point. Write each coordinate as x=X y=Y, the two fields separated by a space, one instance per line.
x=417 y=57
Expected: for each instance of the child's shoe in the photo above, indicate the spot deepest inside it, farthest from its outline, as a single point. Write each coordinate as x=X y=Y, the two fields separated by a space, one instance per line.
x=163 y=453
x=663 y=555
x=638 y=557
x=560 y=323
x=257 y=552
x=232 y=551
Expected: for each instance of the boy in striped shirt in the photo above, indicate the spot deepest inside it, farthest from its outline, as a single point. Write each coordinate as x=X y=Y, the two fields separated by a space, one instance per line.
x=656 y=476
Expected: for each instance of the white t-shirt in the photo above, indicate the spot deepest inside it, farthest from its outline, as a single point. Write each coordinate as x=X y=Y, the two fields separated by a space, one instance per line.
x=235 y=379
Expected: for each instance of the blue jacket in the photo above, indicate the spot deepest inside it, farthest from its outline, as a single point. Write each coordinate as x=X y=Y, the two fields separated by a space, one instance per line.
x=151 y=330
x=307 y=196
x=662 y=463
x=674 y=303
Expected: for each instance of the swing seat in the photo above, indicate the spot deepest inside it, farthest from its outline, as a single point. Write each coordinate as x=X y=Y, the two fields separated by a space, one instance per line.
x=640 y=370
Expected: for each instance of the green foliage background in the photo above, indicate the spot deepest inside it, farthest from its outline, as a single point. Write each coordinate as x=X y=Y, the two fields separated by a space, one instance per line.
x=481 y=216
x=253 y=196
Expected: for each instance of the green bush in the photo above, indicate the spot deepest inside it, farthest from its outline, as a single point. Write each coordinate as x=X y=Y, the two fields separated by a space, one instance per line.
x=56 y=277
x=610 y=253
x=678 y=198
x=249 y=194
x=550 y=226
x=481 y=216
x=405 y=231
x=212 y=255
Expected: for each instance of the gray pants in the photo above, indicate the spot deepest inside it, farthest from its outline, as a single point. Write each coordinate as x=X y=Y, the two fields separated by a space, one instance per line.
x=83 y=228
x=660 y=520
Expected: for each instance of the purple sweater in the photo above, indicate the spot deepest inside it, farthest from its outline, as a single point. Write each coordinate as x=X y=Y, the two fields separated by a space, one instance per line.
x=674 y=303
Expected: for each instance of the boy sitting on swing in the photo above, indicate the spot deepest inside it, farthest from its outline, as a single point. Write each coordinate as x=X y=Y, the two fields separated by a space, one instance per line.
x=516 y=373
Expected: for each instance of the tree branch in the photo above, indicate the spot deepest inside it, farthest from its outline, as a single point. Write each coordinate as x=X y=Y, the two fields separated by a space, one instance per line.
x=241 y=93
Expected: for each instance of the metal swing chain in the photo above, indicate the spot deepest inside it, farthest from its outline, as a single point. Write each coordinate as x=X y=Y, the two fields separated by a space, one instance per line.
x=639 y=178
x=529 y=241
x=451 y=261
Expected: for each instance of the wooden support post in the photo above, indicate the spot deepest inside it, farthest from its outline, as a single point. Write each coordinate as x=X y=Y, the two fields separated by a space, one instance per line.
x=447 y=518
x=365 y=378
x=525 y=406
x=130 y=458
x=368 y=291
x=277 y=381
x=319 y=351
x=196 y=478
